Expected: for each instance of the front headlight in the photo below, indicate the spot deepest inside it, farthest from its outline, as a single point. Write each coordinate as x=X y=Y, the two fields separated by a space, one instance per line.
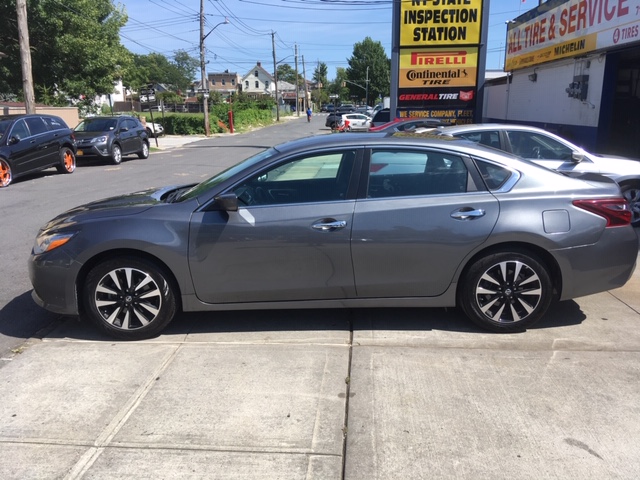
x=48 y=242
x=99 y=140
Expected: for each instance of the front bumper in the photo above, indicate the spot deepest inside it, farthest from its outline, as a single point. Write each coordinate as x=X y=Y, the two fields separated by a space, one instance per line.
x=53 y=276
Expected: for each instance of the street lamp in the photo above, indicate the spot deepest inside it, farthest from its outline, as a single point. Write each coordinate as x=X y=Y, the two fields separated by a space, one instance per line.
x=204 y=83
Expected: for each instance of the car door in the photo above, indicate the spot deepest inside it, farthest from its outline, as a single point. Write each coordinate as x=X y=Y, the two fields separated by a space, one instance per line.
x=128 y=136
x=288 y=241
x=424 y=212
x=44 y=142
x=23 y=149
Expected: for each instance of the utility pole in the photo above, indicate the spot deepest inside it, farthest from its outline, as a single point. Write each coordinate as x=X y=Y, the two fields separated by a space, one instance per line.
x=25 y=57
x=275 y=73
x=204 y=84
x=306 y=88
x=297 y=83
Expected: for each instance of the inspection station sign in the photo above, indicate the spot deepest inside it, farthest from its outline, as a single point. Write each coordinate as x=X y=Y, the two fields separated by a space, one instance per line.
x=440 y=22
x=568 y=28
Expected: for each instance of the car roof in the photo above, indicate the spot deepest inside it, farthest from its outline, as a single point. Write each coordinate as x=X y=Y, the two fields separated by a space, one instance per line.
x=453 y=129
x=399 y=139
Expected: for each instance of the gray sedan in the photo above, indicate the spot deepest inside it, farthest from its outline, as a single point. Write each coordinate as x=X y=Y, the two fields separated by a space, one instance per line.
x=360 y=220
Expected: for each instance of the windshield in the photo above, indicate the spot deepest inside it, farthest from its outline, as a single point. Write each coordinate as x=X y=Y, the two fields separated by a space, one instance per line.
x=97 y=125
x=226 y=174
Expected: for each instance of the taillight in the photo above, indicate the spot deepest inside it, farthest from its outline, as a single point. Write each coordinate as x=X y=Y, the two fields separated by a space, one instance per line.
x=614 y=210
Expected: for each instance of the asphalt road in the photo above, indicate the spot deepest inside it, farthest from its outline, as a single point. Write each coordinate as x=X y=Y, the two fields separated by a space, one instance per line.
x=33 y=200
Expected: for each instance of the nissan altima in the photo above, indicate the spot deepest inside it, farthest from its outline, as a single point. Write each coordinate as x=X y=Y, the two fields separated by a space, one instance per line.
x=342 y=221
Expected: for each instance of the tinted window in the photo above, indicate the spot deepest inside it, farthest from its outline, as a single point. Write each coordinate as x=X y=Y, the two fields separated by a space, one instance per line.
x=537 y=145
x=494 y=176
x=4 y=124
x=36 y=125
x=394 y=173
x=315 y=178
x=54 y=123
x=20 y=130
x=490 y=138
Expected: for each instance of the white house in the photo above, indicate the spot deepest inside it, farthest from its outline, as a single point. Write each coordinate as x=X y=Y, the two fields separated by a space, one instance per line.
x=258 y=82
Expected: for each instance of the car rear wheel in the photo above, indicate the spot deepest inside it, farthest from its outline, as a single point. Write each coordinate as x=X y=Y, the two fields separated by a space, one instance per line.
x=67 y=161
x=506 y=291
x=631 y=193
x=5 y=173
x=129 y=298
x=144 y=153
x=116 y=155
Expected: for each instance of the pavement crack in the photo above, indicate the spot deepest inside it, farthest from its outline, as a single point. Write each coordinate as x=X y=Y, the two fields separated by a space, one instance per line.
x=347 y=381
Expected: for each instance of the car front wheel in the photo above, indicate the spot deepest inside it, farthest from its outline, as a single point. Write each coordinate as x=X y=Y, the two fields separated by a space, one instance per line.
x=129 y=298
x=144 y=153
x=5 y=173
x=506 y=291
x=67 y=161
x=116 y=154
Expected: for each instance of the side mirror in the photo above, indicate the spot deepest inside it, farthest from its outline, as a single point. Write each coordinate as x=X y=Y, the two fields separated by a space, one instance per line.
x=227 y=202
x=14 y=140
x=577 y=157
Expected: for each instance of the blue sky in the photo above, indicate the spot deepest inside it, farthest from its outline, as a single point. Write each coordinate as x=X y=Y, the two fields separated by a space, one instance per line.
x=324 y=30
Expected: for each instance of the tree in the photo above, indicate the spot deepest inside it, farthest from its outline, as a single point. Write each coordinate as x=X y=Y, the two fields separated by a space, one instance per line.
x=321 y=95
x=75 y=48
x=338 y=86
x=369 y=55
x=287 y=74
x=156 y=68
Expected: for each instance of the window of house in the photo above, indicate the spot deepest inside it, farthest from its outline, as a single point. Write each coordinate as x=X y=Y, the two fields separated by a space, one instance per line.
x=255 y=73
x=257 y=84
x=266 y=84
x=233 y=81
x=224 y=82
x=212 y=81
x=246 y=83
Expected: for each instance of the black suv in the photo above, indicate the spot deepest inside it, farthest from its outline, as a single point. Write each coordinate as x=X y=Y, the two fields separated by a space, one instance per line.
x=30 y=143
x=112 y=138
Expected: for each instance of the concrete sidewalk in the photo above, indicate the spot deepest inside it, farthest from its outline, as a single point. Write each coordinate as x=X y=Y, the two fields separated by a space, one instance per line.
x=332 y=394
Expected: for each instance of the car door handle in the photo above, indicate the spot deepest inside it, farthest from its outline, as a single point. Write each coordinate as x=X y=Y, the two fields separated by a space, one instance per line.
x=468 y=213
x=329 y=226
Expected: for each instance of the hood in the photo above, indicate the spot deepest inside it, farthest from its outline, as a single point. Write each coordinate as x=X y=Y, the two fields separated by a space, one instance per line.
x=123 y=205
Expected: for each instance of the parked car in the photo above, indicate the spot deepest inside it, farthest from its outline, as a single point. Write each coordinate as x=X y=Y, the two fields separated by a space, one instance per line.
x=381 y=117
x=333 y=120
x=154 y=129
x=365 y=110
x=406 y=125
x=112 y=138
x=35 y=142
x=359 y=220
x=346 y=108
x=327 y=108
x=555 y=152
x=356 y=121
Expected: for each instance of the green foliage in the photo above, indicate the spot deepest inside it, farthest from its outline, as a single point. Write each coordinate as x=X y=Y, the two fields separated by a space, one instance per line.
x=75 y=48
x=156 y=68
x=369 y=55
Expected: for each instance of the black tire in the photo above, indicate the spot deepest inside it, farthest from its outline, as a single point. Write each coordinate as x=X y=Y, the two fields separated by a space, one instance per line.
x=5 y=173
x=116 y=154
x=129 y=298
x=506 y=292
x=67 y=161
x=144 y=153
x=632 y=194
